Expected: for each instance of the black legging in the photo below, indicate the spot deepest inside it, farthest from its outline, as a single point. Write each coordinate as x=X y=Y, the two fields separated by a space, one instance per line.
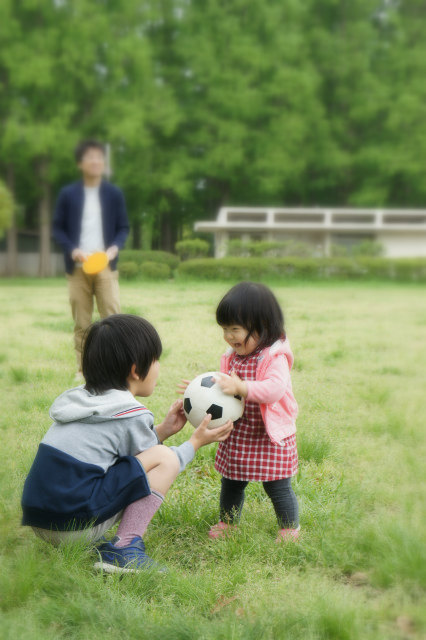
x=279 y=491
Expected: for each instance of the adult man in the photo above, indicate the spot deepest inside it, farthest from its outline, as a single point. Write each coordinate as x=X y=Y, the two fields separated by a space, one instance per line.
x=90 y=216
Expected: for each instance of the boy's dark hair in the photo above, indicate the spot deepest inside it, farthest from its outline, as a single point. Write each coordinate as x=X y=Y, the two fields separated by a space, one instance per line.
x=84 y=146
x=254 y=307
x=113 y=345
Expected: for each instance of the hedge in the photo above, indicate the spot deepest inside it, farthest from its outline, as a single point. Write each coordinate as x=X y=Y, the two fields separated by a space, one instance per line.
x=150 y=270
x=191 y=249
x=128 y=269
x=155 y=270
x=266 y=249
x=297 y=249
x=139 y=257
x=398 y=269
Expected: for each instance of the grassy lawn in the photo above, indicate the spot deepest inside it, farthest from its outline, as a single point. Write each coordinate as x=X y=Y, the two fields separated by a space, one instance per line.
x=359 y=568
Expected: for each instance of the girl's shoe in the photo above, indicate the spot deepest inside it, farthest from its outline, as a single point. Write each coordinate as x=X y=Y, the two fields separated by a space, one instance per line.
x=221 y=529
x=288 y=535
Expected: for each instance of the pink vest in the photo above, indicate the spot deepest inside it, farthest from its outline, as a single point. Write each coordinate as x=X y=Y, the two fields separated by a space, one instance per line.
x=272 y=389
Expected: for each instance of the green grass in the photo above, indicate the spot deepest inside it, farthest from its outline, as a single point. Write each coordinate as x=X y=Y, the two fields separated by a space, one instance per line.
x=358 y=571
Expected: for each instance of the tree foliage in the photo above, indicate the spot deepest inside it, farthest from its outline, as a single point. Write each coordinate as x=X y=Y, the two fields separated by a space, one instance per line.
x=6 y=208
x=263 y=102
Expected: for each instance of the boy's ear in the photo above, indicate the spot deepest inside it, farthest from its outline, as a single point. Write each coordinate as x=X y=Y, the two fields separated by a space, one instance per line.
x=133 y=374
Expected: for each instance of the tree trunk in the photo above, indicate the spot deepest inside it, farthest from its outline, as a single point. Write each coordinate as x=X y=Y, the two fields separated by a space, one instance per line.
x=147 y=234
x=12 y=234
x=168 y=235
x=44 y=218
x=136 y=235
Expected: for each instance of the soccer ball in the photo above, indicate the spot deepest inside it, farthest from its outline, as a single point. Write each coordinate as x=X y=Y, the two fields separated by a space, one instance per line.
x=203 y=395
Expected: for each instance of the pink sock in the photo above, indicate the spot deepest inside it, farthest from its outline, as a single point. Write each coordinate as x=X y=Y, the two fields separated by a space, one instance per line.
x=136 y=518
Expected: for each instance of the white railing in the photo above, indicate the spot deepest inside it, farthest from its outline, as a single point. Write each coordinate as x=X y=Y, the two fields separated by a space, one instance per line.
x=401 y=231
x=315 y=218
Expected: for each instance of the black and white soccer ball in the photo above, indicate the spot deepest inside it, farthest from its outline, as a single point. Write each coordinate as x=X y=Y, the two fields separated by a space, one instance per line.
x=203 y=395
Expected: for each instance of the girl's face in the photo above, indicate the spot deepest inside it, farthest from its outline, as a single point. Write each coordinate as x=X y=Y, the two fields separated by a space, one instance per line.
x=235 y=335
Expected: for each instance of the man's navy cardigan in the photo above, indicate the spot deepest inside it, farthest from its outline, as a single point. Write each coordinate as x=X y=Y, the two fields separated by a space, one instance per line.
x=69 y=212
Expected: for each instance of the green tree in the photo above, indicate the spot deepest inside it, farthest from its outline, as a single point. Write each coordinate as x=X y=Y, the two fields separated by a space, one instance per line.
x=76 y=86
x=6 y=208
x=267 y=102
x=370 y=57
x=39 y=107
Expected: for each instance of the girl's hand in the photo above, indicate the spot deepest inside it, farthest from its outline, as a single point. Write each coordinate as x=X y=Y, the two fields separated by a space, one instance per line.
x=173 y=422
x=182 y=386
x=232 y=385
x=203 y=435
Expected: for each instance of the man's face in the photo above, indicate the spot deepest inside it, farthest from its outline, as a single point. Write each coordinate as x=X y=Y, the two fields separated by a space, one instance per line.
x=92 y=164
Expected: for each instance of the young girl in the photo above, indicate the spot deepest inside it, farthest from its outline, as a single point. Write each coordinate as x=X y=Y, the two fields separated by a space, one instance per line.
x=262 y=445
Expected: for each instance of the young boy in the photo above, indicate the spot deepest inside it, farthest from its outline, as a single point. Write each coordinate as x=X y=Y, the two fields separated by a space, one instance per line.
x=102 y=460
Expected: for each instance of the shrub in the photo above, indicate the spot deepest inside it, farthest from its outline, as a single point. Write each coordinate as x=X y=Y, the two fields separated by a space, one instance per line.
x=367 y=248
x=298 y=248
x=234 y=268
x=268 y=249
x=228 y=268
x=155 y=270
x=238 y=248
x=193 y=248
x=399 y=269
x=294 y=248
x=139 y=256
x=128 y=270
x=338 y=250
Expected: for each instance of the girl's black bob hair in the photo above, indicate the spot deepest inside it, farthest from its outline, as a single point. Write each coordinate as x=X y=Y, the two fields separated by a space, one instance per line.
x=254 y=307
x=112 y=345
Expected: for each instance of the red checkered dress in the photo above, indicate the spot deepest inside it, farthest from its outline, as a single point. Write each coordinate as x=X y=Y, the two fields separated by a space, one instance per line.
x=249 y=453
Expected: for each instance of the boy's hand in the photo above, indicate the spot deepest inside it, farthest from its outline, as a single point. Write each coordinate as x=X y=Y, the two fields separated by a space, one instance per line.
x=232 y=385
x=173 y=422
x=203 y=435
x=182 y=386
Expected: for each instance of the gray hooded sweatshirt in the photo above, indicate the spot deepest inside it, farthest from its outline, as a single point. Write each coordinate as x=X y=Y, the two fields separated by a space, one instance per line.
x=99 y=429
x=85 y=469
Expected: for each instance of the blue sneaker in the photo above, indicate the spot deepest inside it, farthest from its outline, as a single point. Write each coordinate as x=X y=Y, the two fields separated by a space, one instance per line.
x=129 y=559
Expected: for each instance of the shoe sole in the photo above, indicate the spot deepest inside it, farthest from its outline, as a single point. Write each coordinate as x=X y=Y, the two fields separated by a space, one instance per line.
x=114 y=568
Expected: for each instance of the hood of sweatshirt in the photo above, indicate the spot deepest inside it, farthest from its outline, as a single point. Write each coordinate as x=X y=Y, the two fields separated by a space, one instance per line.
x=78 y=404
x=282 y=347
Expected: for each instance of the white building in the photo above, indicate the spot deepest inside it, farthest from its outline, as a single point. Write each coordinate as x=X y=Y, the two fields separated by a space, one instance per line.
x=402 y=232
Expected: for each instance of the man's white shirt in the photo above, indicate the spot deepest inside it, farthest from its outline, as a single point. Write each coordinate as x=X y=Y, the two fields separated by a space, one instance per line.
x=91 y=237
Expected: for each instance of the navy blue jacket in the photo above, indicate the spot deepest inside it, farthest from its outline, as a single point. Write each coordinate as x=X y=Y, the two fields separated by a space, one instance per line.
x=69 y=212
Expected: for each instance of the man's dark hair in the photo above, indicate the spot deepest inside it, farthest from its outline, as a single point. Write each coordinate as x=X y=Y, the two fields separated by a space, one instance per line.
x=113 y=345
x=84 y=146
x=254 y=307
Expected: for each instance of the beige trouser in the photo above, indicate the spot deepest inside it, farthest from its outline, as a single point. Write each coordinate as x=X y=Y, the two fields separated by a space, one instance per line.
x=82 y=288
